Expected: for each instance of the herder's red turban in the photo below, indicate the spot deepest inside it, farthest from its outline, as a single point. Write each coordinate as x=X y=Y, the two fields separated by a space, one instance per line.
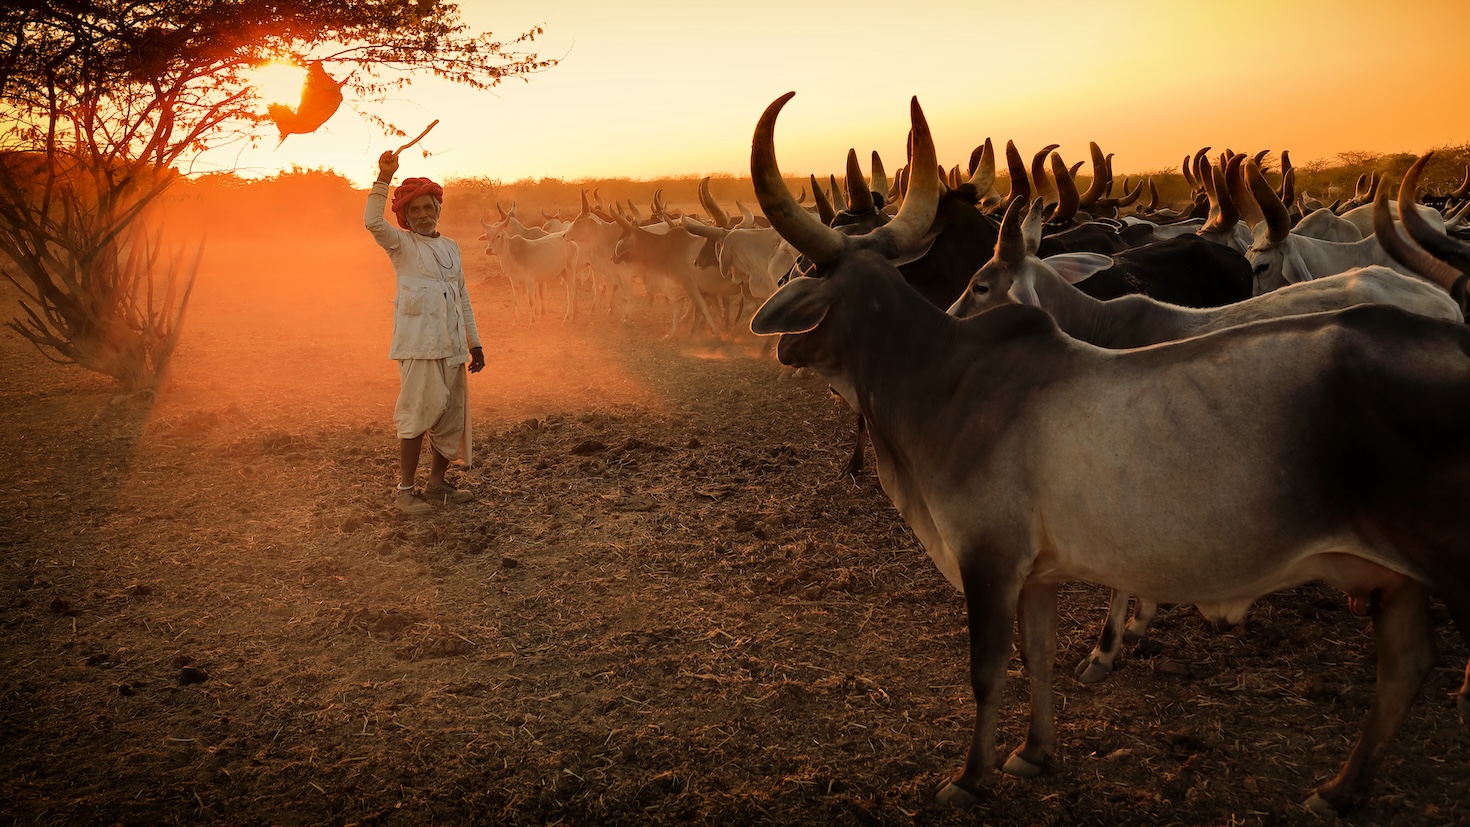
x=410 y=189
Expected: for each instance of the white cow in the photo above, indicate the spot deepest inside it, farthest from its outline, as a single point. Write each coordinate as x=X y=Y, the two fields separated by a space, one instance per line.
x=533 y=263
x=1280 y=257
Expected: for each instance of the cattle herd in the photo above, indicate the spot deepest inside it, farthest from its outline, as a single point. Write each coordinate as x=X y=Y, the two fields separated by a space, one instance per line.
x=1197 y=405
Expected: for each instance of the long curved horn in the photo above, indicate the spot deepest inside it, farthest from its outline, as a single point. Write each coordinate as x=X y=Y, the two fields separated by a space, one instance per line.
x=1020 y=184
x=982 y=176
x=1250 y=211
x=1032 y=226
x=1067 y=197
x=707 y=201
x=1288 y=185
x=859 y=197
x=1042 y=182
x=1010 y=245
x=747 y=218
x=824 y=207
x=1153 y=196
x=812 y=238
x=1360 y=188
x=1187 y=168
x=834 y=192
x=879 y=184
x=908 y=228
x=1099 y=178
x=704 y=230
x=976 y=155
x=1464 y=188
x=1208 y=182
x=619 y=218
x=1272 y=209
x=1403 y=250
x=1199 y=158
x=586 y=208
x=1441 y=245
x=1128 y=196
x=1229 y=212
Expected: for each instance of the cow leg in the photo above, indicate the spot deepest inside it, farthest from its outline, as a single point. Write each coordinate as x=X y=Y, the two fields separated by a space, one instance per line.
x=1036 y=617
x=515 y=299
x=990 y=604
x=625 y=286
x=1402 y=635
x=1143 y=615
x=855 y=462
x=696 y=298
x=1099 y=664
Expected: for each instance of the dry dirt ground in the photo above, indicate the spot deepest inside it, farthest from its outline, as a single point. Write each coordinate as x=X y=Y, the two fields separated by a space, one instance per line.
x=665 y=607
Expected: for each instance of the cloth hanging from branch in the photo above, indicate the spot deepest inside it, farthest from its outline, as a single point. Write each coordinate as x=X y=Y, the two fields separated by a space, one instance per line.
x=320 y=97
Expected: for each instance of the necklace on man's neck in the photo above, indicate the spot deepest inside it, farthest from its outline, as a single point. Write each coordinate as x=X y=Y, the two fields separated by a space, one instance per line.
x=437 y=259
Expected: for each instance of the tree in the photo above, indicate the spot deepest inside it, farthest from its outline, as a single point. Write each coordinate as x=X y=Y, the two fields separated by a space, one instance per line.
x=100 y=99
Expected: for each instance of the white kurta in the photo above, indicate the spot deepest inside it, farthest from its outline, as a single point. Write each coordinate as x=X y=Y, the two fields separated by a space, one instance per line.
x=433 y=330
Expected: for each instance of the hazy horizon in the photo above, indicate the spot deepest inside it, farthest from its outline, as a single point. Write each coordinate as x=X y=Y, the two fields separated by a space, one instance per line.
x=647 y=92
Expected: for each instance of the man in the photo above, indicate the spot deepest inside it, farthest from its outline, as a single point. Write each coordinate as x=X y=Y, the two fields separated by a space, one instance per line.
x=434 y=336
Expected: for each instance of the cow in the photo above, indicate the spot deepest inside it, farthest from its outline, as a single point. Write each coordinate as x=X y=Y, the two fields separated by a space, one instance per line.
x=597 y=238
x=1213 y=470
x=1435 y=240
x=533 y=263
x=1016 y=276
x=753 y=259
x=1280 y=257
x=664 y=254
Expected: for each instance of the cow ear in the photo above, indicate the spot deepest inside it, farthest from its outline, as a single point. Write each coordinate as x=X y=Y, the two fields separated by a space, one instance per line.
x=797 y=307
x=1296 y=269
x=1075 y=267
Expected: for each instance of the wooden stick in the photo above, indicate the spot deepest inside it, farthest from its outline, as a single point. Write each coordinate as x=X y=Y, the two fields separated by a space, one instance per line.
x=416 y=140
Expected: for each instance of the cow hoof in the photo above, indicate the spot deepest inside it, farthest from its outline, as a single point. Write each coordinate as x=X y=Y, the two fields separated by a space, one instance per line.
x=1093 y=671
x=954 y=796
x=1020 y=767
x=1320 y=807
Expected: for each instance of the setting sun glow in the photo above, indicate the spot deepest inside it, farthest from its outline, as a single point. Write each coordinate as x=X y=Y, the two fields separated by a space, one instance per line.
x=650 y=90
x=278 y=82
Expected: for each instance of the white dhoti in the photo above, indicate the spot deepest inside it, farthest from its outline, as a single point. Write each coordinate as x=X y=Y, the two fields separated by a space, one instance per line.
x=434 y=399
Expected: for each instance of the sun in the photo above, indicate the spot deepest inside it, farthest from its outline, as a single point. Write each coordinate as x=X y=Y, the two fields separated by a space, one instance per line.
x=278 y=82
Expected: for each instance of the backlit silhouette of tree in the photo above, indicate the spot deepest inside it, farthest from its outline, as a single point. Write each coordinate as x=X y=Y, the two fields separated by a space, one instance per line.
x=101 y=99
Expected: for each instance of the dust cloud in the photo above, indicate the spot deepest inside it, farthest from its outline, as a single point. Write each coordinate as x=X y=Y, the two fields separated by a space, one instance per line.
x=292 y=313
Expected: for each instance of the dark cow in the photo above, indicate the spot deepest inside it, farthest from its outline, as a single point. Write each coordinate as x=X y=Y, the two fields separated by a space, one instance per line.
x=1187 y=270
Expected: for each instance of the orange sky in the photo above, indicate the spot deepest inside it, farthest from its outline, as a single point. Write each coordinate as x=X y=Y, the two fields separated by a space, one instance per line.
x=647 y=90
